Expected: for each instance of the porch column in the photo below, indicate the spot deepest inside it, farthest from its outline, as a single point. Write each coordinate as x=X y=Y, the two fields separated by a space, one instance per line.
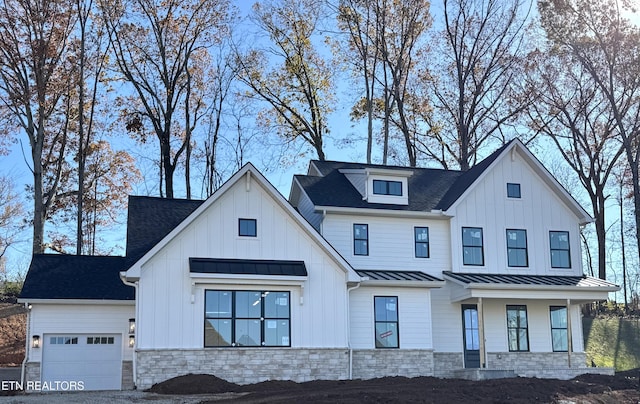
x=569 y=336
x=483 y=361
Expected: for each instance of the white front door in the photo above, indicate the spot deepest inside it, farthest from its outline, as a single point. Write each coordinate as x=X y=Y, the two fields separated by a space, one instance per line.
x=93 y=359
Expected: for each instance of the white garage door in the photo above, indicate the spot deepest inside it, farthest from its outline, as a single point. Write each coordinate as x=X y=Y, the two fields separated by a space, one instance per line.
x=94 y=359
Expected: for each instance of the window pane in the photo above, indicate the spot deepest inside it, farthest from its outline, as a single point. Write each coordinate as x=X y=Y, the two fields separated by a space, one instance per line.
x=523 y=342
x=217 y=332
x=517 y=238
x=379 y=187
x=360 y=231
x=422 y=250
x=559 y=339
x=471 y=236
x=517 y=257
x=386 y=335
x=472 y=256
x=560 y=259
x=276 y=332
x=422 y=234
x=395 y=188
x=247 y=227
x=513 y=190
x=248 y=304
x=559 y=240
x=276 y=304
x=217 y=304
x=386 y=308
x=248 y=332
x=558 y=317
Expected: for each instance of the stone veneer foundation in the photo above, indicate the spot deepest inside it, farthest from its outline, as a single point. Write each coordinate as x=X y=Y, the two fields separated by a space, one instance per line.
x=33 y=369
x=372 y=363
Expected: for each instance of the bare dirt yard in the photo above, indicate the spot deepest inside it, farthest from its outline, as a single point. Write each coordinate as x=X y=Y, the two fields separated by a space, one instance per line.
x=586 y=389
x=13 y=319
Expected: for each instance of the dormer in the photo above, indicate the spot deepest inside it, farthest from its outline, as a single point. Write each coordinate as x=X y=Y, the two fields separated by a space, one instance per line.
x=380 y=185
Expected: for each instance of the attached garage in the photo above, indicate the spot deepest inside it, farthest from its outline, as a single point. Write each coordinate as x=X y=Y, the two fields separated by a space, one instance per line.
x=93 y=359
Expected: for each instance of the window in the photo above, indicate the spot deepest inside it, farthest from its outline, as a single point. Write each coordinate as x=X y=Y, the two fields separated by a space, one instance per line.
x=360 y=239
x=246 y=318
x=560 y=254
x=63 y=340
x=381 y=187
x=517 y=248
x=513 y=190
x=559 y=335
x=472 y=251
x=386 y=321
x=421 y=236
x=247 y=227
x=517 y=330
x=100 y=340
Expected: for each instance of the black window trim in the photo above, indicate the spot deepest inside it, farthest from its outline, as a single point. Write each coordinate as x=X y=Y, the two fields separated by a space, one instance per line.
x=233 y=319
x=551 y=309
x=568 y=249
x=481 y=246
x=255 y=227
x=375 y=321
x=416 y=242
x=366 y=239
x=514 y=185
x=387 y=190
x=518 y=307
x=526 y=249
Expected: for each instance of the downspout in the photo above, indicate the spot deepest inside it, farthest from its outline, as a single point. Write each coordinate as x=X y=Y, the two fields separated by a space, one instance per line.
x=349 y=327
x=569 y=333
x=135 y=332
x=27 y=346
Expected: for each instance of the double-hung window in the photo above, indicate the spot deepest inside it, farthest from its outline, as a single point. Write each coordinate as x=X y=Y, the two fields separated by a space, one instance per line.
x=517 y=328
x=517 y=248
x=421 y=240
x=386 y=321
x=246 y=318
x=559 y=335
x=560 y=252
x=472 y=246
x=383 y=187
x=360 y=239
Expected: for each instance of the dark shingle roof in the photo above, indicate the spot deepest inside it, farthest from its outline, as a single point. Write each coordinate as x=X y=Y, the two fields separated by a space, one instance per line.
x=429 y=188
x=530 y=280
x=397 y=276
x=76 y=277
x=150 y=219
x=246 y=267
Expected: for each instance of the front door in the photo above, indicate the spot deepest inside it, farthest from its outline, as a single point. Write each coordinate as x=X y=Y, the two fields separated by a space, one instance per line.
x=471 y=336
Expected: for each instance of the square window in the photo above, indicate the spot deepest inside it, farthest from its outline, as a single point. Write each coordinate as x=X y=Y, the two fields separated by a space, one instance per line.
x=247 y=227
x=513 y=190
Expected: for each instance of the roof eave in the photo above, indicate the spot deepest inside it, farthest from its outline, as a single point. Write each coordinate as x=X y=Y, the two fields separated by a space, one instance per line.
x=341 y=210
x=405 y=284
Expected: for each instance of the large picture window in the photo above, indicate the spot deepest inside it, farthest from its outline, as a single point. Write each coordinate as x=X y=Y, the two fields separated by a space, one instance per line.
x=560 y=252
x=517 y=328
x=386 y=321
x=517 y=248
x=360 y=239
x=421 y=235
x=472 y=246
x=559 y=335
x=246 y=318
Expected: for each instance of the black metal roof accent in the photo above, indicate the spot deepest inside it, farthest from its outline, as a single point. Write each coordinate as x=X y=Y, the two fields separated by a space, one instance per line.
x=429 y=188
x=376 y=275
x=53 y=276
x=150 y=219
x=538 y=280
x=246 y=267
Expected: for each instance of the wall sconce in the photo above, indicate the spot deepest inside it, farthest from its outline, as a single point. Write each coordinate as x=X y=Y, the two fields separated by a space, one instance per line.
x=132 y=326
x=132 y=341
x=35 y=341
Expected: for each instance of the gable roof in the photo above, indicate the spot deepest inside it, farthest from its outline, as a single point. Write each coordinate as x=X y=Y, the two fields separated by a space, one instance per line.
x=249 y=173
x=149 y=219
x=53 y=276
x=429 y=189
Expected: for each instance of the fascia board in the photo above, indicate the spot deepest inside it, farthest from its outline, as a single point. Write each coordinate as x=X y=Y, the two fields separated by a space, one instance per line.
x=382 y=212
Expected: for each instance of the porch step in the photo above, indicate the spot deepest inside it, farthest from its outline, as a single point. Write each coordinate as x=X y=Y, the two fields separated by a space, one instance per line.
x=483 y=374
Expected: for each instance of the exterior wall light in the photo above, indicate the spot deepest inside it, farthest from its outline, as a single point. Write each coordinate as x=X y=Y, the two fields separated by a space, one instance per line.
x=35 y=341
x=132 y=341
x=132 y=326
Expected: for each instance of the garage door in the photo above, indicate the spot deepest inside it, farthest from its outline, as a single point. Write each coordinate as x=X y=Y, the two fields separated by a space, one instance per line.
x=94 y=359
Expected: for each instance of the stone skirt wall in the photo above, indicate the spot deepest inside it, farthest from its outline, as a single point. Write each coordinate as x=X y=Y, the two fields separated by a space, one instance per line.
x=544 y=364
x=372 y=363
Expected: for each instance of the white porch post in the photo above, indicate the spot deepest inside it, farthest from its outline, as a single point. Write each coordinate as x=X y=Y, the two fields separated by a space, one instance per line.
x=483 y=359
x=569 y=335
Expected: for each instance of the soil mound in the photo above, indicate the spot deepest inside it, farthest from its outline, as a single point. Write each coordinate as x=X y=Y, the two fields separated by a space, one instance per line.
x=194 y=384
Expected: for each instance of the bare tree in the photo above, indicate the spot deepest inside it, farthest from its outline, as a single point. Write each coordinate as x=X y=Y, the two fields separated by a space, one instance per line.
x=299 y=89
x=156 y=44
x=11 y=211
x=33 y=84
x=474 y=75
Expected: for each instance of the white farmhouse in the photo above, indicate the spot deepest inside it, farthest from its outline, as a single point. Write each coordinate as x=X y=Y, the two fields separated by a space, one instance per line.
x=367 y=271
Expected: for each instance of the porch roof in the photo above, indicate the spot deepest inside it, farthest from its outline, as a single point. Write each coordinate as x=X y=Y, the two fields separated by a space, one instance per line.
x=399 y=278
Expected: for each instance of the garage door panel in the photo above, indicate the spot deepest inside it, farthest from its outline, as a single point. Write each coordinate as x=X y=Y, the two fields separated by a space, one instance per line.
x=96 y=360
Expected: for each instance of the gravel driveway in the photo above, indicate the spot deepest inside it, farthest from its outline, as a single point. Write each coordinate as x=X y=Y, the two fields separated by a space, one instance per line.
x=112 y=397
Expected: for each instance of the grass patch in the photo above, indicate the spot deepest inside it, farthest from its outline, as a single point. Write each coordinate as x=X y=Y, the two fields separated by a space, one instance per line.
x=612 y=342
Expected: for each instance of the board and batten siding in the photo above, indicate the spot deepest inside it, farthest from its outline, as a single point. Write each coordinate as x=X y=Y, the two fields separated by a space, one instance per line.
x=447 y=321
x=414 y=316
x=169 y=318
x=70 y=319
x=391 y=242
x=538 y=211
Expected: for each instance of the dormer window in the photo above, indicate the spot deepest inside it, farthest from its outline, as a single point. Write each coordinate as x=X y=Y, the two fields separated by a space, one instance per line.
x=384 y=187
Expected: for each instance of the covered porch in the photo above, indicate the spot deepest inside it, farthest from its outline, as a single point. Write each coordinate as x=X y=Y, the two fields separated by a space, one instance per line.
x=524 y=325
